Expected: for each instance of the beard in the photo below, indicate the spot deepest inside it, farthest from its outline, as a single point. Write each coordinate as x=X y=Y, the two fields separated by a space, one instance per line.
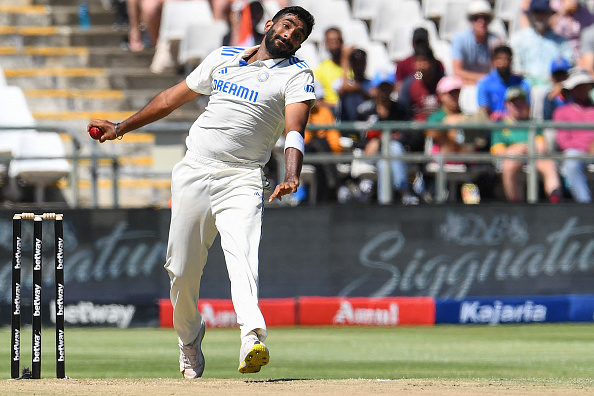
x=275 y=50
x=504 y=72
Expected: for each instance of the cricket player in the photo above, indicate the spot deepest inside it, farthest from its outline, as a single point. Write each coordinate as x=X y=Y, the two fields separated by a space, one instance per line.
x=256 y=94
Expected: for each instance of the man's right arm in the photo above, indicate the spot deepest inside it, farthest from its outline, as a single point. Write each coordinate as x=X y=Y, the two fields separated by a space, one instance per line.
x=159 y=107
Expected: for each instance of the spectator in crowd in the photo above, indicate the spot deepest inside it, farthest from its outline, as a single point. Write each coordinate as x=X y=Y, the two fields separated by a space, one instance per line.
x=450 y=141
x=472 y=48
x=330 y=70
x=418 y=93
x=506 y=141
x=575 y=142
x=354 y=88
x=323 y=141
x=491 y=89
x=145 y=13
x=406 y=67
x=557 y=96
x=243 y=24
x=536 y=46
x=569 y=20
x=383 y=108
x=586 y=59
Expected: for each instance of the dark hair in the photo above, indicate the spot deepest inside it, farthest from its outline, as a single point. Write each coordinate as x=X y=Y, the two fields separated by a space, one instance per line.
x=425 y=51
x=358 y=54
x=300 y=13
x=502 y=49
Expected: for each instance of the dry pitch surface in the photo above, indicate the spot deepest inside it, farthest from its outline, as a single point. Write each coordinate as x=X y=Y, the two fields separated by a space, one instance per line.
x=154 y=387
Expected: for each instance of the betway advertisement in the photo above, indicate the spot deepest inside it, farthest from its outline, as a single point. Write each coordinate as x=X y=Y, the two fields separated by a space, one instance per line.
x=439 y=251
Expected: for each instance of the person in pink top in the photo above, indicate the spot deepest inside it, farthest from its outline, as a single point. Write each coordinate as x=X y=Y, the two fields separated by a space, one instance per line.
x=576 y=142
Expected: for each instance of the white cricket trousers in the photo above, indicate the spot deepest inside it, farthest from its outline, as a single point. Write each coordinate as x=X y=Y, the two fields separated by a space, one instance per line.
x=210 y=196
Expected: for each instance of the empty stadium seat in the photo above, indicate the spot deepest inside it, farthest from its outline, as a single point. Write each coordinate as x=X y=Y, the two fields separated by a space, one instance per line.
x=178 y=15
x=433 y=8
x=200 y=40
x=329 y=13
x=366 y=9
x=469 y=99
x=391 y=14
x=454 y=19
x=38 y=172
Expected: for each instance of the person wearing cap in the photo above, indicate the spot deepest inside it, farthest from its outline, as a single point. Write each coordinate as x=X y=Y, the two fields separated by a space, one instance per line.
x=556 y=96
x=406 y=67
x=536 y=46
x=473 y=47
x=450 y=141
x=491 y=89
x=383 y=108
x=576 y=142
x=507 y=141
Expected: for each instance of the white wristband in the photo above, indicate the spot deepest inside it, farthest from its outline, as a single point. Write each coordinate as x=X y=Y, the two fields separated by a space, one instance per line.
x=295 y=139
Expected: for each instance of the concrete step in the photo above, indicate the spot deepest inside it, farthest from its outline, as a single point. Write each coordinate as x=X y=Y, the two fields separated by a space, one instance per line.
x=44 y=57
x=68 y=15
x=60 y=36
x=73 y=57
x=59 y=100
x=25 y=15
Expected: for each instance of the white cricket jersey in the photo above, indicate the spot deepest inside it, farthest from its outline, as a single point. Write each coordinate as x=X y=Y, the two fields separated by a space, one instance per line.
x=245 y=115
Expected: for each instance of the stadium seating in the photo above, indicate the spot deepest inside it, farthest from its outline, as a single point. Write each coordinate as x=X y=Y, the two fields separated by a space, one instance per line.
x=201 y=39
x=38 y=172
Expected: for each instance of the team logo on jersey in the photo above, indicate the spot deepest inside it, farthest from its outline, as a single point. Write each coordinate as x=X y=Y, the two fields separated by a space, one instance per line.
x=309 y=88
x=263 y=76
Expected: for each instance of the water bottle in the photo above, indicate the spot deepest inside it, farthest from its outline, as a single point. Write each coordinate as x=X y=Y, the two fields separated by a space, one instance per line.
x=84 y=21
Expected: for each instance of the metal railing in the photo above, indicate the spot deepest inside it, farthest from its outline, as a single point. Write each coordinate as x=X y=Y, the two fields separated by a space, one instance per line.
x=387 y=127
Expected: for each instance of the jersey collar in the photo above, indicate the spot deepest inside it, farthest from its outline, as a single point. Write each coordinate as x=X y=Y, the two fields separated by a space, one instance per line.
x=269 y=63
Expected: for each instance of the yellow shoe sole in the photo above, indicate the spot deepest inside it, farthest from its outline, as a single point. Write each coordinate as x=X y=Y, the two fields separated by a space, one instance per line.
x=256 y=358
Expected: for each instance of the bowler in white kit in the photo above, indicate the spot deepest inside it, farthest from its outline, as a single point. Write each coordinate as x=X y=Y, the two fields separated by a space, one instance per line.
x=256 y=94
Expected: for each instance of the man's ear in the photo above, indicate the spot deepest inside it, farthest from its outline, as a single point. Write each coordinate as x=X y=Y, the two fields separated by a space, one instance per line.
x=268 y=25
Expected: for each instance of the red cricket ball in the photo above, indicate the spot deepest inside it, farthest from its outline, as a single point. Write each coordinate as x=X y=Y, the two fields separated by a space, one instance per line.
x=95 y=132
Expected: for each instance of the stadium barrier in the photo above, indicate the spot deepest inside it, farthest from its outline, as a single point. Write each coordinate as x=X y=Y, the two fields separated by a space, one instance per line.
x=347 y=129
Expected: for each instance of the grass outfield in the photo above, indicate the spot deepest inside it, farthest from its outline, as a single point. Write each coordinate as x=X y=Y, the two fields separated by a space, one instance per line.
x=545 y=353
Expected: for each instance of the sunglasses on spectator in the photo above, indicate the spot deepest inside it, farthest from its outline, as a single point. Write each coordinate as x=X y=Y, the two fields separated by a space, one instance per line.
x=475 y=18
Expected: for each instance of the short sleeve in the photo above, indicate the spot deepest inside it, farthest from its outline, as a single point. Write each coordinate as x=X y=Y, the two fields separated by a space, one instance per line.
x=300 y=88
x=200 y=79
x=457 y=47
x=482 y=95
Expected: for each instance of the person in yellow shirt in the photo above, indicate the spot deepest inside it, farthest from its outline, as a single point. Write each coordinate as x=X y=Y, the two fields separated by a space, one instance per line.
x=331 y=69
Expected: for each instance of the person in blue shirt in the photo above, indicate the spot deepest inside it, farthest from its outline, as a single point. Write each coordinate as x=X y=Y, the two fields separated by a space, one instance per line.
x=472 y=48
x=557 y=96
x=491 y=89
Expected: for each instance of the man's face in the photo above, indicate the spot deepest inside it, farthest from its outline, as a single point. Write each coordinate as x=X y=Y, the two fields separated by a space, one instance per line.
x=518 y=108
x=334 y=42
x=540 y=20
x=581 y=93
x=502 y=62
x=284 y=36
x=450 y=100
x=423 y=64
x=480 y=24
